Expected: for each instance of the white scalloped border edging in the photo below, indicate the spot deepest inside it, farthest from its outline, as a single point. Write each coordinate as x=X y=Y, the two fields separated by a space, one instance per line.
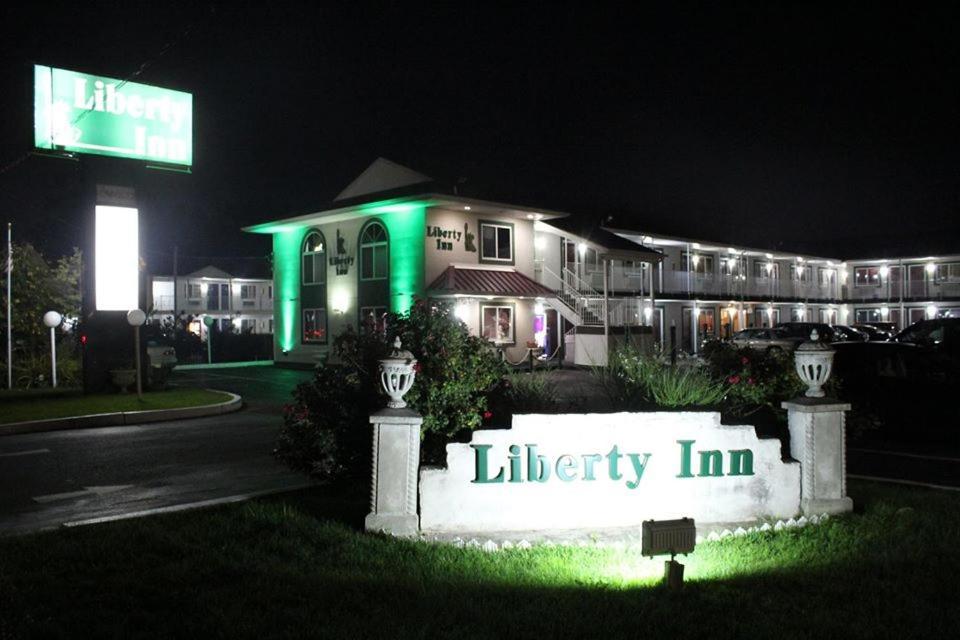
x=508 y=545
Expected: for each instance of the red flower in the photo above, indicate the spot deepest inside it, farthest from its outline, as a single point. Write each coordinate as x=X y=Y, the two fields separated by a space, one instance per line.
x=744 y=360
x=416 y=367
x=733 y=379
x=487 y=415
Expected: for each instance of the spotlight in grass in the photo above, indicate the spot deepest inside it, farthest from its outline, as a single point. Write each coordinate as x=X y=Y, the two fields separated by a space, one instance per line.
x=669 y=537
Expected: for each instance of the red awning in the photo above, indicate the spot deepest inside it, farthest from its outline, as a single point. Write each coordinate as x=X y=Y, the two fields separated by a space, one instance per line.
x=487 y=282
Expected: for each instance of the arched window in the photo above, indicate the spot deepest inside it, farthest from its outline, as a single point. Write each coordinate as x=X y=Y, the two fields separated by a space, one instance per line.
x=374 y=252
x=313 y=290
x=314 y=259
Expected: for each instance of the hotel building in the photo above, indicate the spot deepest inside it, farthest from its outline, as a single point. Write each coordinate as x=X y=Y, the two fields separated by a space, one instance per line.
x=528 y=278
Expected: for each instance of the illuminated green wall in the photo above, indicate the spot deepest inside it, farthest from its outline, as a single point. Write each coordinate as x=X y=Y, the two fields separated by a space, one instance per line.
x=286 y=279
x=405 y=223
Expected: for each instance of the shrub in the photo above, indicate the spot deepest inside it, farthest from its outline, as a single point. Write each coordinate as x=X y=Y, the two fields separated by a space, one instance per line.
x=326 y=429
x=675 y=387
x=633 y=380
x=533 y=392
x=753 y=379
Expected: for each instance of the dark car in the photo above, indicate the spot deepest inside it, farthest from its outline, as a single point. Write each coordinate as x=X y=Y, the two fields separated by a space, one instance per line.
x=804 y=329
x=843 y=333
x=940 y=335
x=874 y=333
x=906 y=392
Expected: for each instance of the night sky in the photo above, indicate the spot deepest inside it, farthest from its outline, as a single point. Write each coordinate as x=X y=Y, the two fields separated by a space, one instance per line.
x=825 y=130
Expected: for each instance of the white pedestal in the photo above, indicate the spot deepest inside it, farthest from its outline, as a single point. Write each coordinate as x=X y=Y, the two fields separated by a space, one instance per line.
x=396 y=462
x=818 y=442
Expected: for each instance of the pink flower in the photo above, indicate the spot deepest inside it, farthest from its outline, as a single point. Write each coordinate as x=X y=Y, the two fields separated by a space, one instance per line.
x=744 y=360
x=487 y=415
x=750 y=381
x=733 y=379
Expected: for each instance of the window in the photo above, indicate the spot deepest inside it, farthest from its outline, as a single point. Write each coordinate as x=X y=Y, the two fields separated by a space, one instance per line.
x=799 y=314
x=248 y=295
x=634 y=268
x=697 y=263
x=496 y=242
x=248 y=325
x=270 y=292
x=802 y=273
x=373 y=252
x=867 y=316
x=764 y=318
x=270 y=325
x=497 y=324
x=315 y=326
x=373 y=319
x=733 y=266
x=866 y=277
x=948 y=272
x=591 y=261
x=826 y=276
x=314 y=259
x=764 y=269
x=193 y=292
x=218 y=297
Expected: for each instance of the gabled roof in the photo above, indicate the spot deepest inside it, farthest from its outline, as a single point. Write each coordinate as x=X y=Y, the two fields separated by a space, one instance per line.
x=614 y=247
x=381 y=176
x=487 y=282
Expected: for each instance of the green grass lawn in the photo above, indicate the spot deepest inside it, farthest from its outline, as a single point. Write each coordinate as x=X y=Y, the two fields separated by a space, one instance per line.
x=18 y=407
x=297 y=566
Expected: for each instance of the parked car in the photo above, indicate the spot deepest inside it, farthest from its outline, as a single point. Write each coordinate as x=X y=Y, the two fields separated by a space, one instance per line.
x=874 y=333
x=905 y=390
x=843 y=333
x=804 y=329
x=769 y=340
x=940 y=335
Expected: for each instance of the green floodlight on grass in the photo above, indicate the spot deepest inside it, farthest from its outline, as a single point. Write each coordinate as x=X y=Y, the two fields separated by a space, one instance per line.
x=669 y=537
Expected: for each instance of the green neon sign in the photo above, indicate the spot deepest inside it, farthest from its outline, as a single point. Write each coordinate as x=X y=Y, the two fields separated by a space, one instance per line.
x=91 y=114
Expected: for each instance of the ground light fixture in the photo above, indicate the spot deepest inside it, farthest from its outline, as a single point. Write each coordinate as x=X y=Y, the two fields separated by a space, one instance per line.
x=136 y=319
x=52 y=320
x=669 y=537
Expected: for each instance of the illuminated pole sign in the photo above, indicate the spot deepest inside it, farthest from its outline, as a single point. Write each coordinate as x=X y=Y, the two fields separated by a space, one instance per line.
x=84 y=113
x=117 y=271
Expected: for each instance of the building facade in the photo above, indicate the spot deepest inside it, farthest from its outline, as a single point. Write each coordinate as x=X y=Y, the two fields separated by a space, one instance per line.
x=240 y=304
x=532 y=279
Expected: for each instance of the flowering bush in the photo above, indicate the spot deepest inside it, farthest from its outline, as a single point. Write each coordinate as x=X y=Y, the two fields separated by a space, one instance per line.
x=752 y=379
x=326 y=429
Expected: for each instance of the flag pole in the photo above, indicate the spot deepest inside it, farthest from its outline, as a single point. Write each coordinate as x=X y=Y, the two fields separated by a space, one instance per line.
x=9 y=306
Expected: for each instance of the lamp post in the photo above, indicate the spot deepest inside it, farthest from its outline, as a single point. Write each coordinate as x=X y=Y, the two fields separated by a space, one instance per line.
x=52 y=319
x=136 y=318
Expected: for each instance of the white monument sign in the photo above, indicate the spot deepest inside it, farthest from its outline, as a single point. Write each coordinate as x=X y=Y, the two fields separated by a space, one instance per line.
x=596 y=471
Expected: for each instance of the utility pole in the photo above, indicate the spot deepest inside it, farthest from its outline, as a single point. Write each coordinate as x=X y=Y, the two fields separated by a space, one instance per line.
x=176 y=316
x=9 y=306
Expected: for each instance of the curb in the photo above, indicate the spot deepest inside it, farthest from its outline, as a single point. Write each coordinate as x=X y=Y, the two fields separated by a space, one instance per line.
x=123 y=418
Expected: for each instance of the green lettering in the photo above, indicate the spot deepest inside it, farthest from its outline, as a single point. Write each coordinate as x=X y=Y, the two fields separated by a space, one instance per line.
x=711 y=463
x=566 y=464
x=638 y=467
x=482 y=476
x=686 y=447
x=514 y=458
x=741 y=462
x=590 y=459
x=613 y=459
x=538 y=469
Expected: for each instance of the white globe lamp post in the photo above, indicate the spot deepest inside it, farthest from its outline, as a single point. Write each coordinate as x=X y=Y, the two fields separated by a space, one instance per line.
x=52 y=320
x=136 y=318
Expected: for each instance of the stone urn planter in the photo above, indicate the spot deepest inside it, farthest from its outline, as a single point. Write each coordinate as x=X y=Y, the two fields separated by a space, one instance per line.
x=396 y=374
x=123 y=378
x=814 y=361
